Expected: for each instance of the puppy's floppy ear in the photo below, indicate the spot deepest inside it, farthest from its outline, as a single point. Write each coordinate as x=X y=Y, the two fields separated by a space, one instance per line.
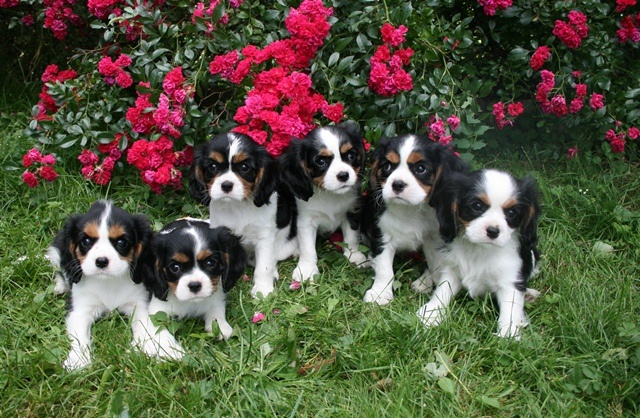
x=230 y=244
x=294 y=174
x=376 y=158
x=447 y=164
x=65 y=243
x=151 y=269
x=197 y=185
x=144 y=235
x=445 y=202
x=530 y=196
x=267 y=180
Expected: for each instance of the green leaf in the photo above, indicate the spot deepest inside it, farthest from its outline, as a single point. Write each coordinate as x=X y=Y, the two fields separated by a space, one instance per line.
x=333 y=59
x=493 y=402
x=447 y=385
x=630 y=94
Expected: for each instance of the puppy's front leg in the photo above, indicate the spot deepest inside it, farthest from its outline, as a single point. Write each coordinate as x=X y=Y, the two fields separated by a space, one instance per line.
x=432 y=313
x=264 y=272
x=512 y=316
x=382 y=290
x=308 y=263
x=352 y=239
x=79 y=323
x=218 y=313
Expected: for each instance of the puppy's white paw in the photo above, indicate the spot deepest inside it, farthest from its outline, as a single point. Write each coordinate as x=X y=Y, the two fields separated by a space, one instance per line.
x=61 y=286
x=431 y=316
x=382 y=297
x=509 y=331
x=161 y=345
x=225 y=330
x=423 y=284
x=263 y=289
x=531 y=295
x=77 y=359
x=357 y=258
x=305 y=272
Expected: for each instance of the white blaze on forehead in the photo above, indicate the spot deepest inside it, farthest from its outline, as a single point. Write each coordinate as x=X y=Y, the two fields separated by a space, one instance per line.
x=199 y=244
x=330 y=141
x=499 y=186
x=234 y=146
x=103 y=231
x=406 y=148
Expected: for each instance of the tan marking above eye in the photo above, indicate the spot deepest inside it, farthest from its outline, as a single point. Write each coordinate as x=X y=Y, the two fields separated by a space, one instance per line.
x=344 y=148
x=116 y=231
x=325 y=153
x=509 y=203
x=217 y=157
x=414 y=158
x=239 y=157
x=393 y=157
x=204 y=254
x=91 y=229
x=485 y=199
x=181 y=258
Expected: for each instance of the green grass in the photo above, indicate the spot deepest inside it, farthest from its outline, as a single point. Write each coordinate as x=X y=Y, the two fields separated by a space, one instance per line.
x=321 y=351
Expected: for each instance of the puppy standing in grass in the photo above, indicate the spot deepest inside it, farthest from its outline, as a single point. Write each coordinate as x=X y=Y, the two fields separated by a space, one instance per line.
x=97 y=254
x=405 y=175
x=489 y=220
x=240 y=182
x=324 y=171
x=189 y=271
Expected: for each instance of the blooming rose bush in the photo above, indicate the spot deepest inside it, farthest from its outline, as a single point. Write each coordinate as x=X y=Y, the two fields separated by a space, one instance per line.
x=155 y=78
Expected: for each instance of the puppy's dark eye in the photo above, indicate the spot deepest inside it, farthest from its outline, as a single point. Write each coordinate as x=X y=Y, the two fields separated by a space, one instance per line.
x=420 y=168
x=86 y=242
x=386 y=167
x=212 y=167
x=320 y=161
x=210 y=263
x=174 y=268
x=351 y=156
x=121 y=243
x=511 y=213
x=477 y=206
x=245 y=168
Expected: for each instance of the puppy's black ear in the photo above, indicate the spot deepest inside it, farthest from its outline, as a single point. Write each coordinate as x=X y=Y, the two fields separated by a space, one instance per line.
x=197 y=185
x=151 y=269
x=447 y=164
x=294 y=174
x=144 y=235
x=376 y=159
x=267 y=181
x=237 y=258
x=65 y=243
x=530 y=196
x=445 y=202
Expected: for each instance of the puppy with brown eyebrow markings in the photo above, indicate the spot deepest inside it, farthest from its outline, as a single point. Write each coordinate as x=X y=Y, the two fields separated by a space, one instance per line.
x=98 y=256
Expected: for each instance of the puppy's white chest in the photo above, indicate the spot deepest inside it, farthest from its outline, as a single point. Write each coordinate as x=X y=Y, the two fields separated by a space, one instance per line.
x=406 y=228
x=325 y=210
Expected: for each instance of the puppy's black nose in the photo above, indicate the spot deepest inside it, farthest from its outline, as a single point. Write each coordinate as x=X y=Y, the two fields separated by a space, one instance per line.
x=398 y=186
x=343 y=176
x=227 y=186
x=493 y=232
x=102 y=262
x=194 y=286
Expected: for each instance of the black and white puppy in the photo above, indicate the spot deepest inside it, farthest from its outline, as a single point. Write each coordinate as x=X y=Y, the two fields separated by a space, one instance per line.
x=190 y=269
x=240 y=181
x=489 y=220
x=324 y=171
x=405 y=173
x=97 y=254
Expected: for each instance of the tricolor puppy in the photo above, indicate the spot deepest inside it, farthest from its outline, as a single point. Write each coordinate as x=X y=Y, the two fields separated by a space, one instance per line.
x=239 y=180
x=324 y=171
x=489 y=220
x=190 y=269
x=97 y=253
x=406 y=172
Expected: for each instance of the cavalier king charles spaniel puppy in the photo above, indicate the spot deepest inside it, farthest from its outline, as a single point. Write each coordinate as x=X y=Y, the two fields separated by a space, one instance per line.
x=489 y=220
x=324 y=171
x=97 y=254
x=240 y=181
x=397 y=216
x=189 y=270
